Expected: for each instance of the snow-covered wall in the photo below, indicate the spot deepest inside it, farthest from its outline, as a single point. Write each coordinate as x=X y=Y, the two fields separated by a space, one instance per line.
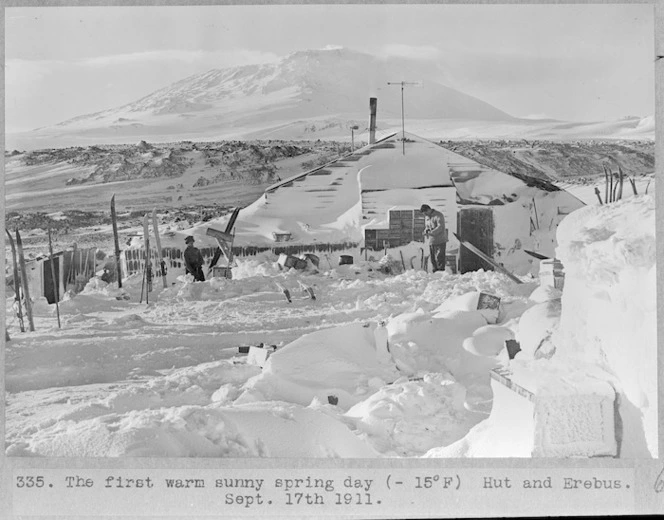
x=513 y=231
x=609 y=309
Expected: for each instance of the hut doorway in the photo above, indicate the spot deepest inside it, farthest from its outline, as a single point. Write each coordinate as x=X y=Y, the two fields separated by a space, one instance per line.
x=475 y=225
x=50 y=285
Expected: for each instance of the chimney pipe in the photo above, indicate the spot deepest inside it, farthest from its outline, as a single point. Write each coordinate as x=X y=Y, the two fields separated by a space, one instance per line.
x=373 y=103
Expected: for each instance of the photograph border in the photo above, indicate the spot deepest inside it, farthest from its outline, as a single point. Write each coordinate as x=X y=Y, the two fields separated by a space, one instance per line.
x=648 y=488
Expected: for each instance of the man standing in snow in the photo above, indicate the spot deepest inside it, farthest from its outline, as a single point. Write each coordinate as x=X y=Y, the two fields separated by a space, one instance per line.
x=193 y=260
x=435 y=235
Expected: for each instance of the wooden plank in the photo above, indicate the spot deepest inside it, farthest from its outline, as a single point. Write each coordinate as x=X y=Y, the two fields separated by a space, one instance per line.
x=116 y=241
x=484 y=257
x=24 y=279
x=160 y=253
x=17 y=289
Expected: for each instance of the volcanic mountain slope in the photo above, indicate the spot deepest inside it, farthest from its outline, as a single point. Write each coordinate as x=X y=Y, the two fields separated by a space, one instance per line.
x=301 y=86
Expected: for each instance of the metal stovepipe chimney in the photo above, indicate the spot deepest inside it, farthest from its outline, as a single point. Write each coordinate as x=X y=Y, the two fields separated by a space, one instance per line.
x=373 y=104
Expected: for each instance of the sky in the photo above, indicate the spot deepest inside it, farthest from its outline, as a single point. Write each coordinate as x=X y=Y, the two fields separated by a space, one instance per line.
x=568 y=62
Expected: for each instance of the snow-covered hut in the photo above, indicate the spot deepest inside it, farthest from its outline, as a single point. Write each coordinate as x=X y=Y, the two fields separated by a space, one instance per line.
x=370 y=199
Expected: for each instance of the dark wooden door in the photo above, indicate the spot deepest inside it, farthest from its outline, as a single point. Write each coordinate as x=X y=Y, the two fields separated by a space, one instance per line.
x=475 y=225
x=50 y=285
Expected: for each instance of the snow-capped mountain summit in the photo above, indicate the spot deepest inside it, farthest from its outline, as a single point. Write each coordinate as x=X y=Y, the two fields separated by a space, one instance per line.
x=323 y=83
x=311 y=94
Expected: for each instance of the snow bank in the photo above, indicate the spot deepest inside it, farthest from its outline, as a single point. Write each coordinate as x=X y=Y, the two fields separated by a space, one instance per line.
x=420 y=342
x=609 y=308
x=342 y=362
x=408 y=418
x=508 y=432
x=252 y=430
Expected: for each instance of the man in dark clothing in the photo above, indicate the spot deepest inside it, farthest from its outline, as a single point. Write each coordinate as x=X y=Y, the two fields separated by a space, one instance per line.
x=435 y=235
x=193 y=260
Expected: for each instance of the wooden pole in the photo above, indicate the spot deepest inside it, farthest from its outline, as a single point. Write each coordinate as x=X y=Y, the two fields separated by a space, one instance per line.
x=116 y=240
x=631 y=181
x=24 y=279
x=55 y=282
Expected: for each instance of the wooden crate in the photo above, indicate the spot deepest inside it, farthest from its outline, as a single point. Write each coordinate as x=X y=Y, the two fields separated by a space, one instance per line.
x=222 y=272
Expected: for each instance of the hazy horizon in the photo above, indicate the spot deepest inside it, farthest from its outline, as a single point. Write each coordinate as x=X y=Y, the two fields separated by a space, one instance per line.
x=567 y=62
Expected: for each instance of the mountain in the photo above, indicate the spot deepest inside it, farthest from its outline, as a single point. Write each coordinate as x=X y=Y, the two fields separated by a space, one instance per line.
x=309 y=95
x=313 y=85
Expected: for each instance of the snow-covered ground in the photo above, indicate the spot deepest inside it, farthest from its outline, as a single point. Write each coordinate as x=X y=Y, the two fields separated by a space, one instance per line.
x=124 y=378
x=378 y=364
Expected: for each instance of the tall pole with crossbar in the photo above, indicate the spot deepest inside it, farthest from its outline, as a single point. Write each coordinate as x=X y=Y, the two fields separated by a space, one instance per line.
x=403 y=125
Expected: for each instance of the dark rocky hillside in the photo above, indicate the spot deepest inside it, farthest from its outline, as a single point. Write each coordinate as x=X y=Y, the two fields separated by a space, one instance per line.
x=247 y=162
x=569 y=161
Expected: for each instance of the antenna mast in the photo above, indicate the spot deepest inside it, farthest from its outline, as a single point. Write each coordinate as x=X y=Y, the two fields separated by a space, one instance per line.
x=403 y=127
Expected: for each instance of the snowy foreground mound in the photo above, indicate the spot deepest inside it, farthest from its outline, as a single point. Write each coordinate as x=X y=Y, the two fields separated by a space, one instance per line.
x=609 y=308
x=376 y=366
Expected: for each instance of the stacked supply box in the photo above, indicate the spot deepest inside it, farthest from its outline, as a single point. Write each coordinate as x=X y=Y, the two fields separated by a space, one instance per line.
x=404 y=226
x=551 y=273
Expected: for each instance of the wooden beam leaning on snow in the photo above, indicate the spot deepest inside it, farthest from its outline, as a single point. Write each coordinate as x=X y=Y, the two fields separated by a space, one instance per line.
x=225 y=241
x=487 y=259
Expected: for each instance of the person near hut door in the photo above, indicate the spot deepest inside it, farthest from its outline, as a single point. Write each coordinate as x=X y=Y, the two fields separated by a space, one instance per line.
x=435 y=236
x=193 y=260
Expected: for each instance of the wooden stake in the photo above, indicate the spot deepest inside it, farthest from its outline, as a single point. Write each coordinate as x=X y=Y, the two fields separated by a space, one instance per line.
x=598 y=195
x=143 y=283
x=84 y=267
x=55 y=282
x=620 y=189
x=611 y=192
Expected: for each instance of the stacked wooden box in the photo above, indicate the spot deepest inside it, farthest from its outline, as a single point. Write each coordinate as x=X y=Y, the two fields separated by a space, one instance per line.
x=404 y=226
